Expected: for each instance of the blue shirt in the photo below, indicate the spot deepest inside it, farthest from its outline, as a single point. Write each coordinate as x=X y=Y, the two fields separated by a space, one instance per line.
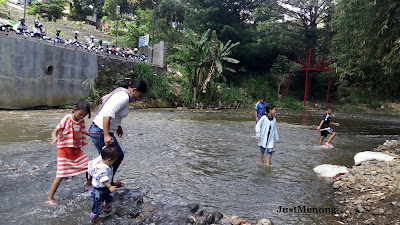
x=260 y=107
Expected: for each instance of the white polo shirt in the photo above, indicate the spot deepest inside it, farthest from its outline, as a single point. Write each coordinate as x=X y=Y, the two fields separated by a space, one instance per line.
x=117 y=107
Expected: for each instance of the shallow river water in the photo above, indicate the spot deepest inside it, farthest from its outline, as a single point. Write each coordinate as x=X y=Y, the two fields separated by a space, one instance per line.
x=184 y=156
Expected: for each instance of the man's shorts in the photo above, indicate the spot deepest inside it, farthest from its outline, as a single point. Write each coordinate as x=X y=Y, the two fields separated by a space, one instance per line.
x=326 y=131
x=269 y=150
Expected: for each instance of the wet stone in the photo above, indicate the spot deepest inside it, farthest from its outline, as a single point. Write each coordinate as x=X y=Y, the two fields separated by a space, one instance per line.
x=201 y=221
x=193 y=207
x=191 y=220
x=265 y=222
x=235 y=220
x=225 y=221
x=210 y=218
x=360 y=209
x=336 y=185
x=217 y=215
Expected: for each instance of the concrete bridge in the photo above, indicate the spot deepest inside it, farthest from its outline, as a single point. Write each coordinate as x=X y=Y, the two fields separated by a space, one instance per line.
x=35 y=72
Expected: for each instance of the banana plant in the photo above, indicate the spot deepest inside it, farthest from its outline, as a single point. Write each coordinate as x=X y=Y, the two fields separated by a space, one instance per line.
x=219 y=53
x=199 y=53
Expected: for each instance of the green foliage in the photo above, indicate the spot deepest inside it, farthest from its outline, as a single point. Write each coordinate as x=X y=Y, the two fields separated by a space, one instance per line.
x=2 y=2
x=187 y=96
x=289 y=102
x=366 y=46
x=78 y=23
x=282 y=69
x=158 y=83
x=256 y=85
x=93 y=93
x=228 y=18
x=232 y=96
x=171 y=11
x=142 y=25
x=198 y=54
x=374 y=105
x=308 y=14
x=110 y=7
x=52 y=11
x=81 y=9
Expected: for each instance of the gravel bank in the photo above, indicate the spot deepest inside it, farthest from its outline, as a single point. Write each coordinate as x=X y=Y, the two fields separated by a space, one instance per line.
x=370 y=193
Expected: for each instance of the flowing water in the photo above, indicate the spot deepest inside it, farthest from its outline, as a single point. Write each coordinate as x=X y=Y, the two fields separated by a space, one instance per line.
x=183 y=156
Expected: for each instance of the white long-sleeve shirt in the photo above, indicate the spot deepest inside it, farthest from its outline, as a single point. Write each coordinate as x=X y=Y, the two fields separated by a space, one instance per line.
x=117 y=107
x=262 y=129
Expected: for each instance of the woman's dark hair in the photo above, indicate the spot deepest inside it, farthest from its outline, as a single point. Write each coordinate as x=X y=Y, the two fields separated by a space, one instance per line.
x=138 y=83
x=109 y=152
x=262 y=97
x=83 y=105
x=268 y=108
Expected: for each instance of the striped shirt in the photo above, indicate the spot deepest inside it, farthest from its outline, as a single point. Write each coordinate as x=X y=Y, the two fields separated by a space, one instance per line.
x=71 y=133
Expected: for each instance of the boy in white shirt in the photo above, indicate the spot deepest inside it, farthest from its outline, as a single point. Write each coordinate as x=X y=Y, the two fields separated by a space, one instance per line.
x=101 y=171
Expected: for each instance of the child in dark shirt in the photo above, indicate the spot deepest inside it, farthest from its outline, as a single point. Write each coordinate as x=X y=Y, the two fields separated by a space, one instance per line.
x=326 y=129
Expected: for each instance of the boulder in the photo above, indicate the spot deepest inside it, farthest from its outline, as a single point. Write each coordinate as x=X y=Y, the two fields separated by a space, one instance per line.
x=328 y=170
x=265 y=222
x=235 y=220
x=368 y=156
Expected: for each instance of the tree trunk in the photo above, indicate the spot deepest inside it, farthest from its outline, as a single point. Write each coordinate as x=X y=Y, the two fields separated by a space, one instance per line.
x=209 y=77
x=279 y=89
x=194 y=95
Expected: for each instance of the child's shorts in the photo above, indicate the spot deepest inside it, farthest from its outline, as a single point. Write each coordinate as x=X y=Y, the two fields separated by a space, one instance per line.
x=269 y=150
x=326 y=131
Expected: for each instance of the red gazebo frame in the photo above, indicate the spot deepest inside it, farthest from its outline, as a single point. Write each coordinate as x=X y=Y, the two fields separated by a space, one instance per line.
x=320 y=65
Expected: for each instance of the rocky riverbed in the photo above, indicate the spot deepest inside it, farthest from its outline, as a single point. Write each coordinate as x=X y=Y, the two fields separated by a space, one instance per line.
x=370 y=192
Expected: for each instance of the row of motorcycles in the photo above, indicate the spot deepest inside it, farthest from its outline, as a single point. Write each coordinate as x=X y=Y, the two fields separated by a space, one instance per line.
x=21 y=28
x=37 y=32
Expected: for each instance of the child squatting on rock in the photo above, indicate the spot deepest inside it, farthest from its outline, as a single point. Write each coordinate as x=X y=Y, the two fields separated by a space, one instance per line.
x=101 y=171
x=267 y=133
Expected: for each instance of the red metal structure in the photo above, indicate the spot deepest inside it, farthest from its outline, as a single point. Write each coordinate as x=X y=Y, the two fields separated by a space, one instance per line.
x=319 y=65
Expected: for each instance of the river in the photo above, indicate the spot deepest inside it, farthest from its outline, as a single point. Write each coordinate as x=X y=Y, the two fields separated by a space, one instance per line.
x=187 y=156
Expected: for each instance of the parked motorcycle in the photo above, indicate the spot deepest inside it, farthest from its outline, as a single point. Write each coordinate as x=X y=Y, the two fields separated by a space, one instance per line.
x=58 y=38
x=38 y=32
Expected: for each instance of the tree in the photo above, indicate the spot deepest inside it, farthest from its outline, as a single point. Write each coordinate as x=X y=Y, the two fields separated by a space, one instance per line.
x=366 y=46
x=219 y=53
x=140 y=26
x=52 y=11
x=110 y=6
x=282 y=69
x=82 y=8
x=172 y=11
x=229 y=18
x=200 y=55
x=2 y=2
x=308 y=14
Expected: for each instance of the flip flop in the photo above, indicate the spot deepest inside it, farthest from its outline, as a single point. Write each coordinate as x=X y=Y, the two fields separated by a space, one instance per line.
x=51 y=203
x=105 y=214
x=118 y=184
x=88 y=188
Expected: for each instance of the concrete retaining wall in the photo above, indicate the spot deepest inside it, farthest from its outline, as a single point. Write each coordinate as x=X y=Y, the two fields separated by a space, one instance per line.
x=35 y=73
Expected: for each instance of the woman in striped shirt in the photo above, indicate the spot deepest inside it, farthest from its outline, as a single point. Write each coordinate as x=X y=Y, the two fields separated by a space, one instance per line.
x=70 y=137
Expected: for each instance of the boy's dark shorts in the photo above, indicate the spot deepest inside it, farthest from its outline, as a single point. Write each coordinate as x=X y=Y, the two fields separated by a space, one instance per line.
x=326 y=132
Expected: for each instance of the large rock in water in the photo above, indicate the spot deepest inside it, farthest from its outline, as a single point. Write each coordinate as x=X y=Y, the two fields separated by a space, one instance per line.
x=265 y=222
x=330 y=171
x=368 y=156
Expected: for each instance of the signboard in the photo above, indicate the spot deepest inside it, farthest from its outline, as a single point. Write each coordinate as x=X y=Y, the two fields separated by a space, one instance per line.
x=144 y=40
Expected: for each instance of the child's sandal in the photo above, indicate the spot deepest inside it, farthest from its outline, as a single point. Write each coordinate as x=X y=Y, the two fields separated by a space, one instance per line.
x=106 y=213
